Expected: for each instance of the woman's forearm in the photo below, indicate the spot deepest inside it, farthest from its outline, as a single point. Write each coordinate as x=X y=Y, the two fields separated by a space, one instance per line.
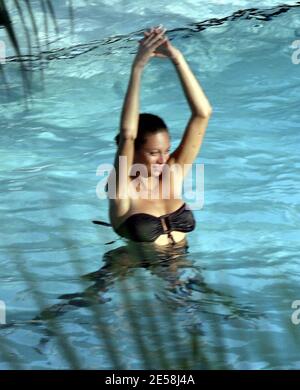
x=196 y=98
x=130 y=110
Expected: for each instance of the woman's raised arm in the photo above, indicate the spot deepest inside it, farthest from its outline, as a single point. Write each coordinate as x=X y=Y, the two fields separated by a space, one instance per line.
x=130 y=111
x=201 y=111
x=196 y=98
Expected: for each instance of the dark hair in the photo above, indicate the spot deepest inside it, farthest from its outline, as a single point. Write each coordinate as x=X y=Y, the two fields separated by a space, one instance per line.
x=148 y=124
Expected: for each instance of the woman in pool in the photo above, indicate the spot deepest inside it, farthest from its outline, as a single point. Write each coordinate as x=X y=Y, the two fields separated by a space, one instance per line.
x=146 y=214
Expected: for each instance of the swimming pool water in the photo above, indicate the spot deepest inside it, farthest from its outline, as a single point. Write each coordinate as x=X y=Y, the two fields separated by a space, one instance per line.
x=232 y=292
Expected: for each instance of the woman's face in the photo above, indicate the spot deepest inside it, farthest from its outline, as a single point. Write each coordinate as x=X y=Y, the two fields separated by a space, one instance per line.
x=154 y=153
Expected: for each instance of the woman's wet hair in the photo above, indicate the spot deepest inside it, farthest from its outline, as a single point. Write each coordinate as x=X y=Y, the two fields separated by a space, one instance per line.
x=148 y=124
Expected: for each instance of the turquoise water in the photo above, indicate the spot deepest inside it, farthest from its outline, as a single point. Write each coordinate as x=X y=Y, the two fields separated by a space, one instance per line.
x=234 y=288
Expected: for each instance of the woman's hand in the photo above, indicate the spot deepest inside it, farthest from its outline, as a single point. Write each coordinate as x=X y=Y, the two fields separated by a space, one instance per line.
x=148 y=46
x=166 y=49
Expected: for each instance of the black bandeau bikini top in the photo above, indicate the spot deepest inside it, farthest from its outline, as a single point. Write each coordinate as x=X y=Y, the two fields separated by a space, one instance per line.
x=147 y=227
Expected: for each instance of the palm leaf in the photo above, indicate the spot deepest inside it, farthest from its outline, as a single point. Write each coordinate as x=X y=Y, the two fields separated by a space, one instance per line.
x=24 y=8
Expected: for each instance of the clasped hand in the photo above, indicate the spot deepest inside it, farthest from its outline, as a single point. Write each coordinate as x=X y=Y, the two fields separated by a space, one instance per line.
x=155 y=44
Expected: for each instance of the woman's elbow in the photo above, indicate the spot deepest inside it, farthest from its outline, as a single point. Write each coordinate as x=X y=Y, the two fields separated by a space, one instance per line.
x=204 y=113
x=209 y=111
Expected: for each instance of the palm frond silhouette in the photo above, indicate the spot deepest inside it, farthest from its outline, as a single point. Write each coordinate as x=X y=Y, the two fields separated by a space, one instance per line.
x=26 y=21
